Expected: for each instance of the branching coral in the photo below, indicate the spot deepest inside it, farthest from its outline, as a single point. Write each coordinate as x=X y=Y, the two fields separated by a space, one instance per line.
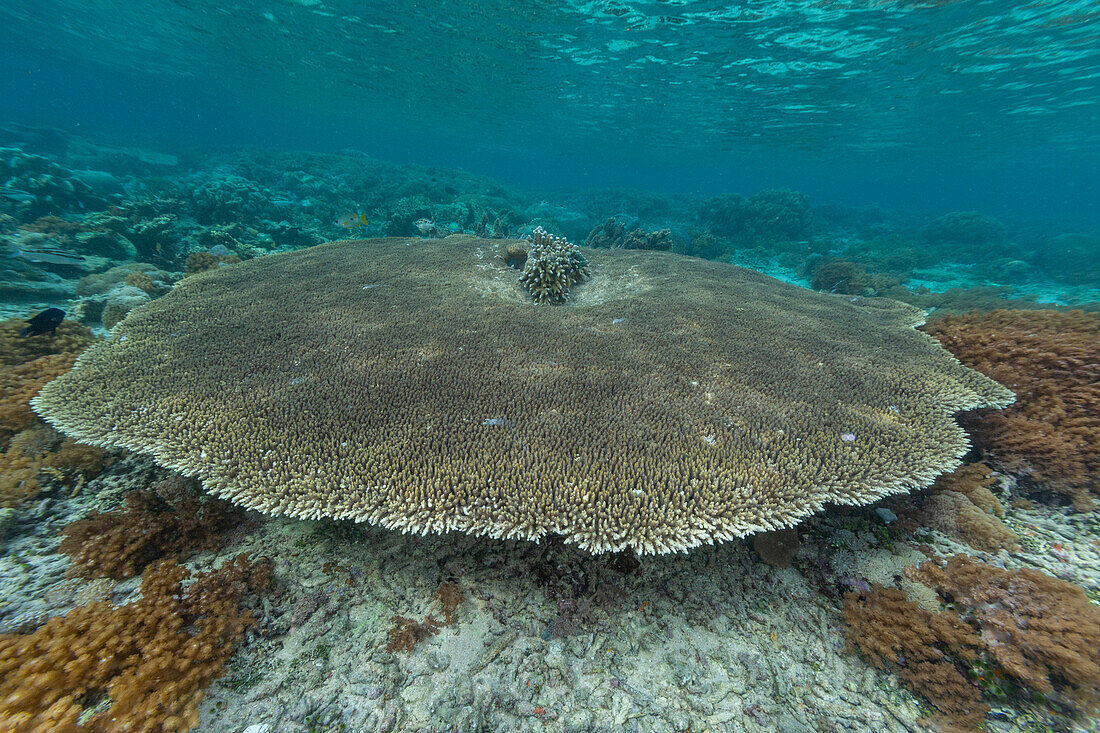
x=553 y=266
x=1051 y=360
x=120 y=544
x=149 y=659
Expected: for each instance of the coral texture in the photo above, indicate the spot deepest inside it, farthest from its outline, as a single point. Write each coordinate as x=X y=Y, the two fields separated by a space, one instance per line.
x=151 y=658
x=121 y=543
x=552 y=267
x=1051 y=360
x=678 y=402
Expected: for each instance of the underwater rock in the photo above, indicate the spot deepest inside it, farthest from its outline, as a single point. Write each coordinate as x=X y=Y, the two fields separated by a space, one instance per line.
x=674 y=402
x=120 y=301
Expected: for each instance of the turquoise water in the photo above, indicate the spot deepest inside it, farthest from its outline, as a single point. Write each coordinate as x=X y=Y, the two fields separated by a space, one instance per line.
x=934 y=105
x=178 y=179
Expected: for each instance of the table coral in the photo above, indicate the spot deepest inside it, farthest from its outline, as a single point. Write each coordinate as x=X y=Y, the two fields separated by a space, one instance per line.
x=150 y=659
x=1051 y=360
x=674 y=402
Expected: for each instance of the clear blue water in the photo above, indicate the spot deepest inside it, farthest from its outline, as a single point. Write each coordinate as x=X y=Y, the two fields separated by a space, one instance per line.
x=930 y=106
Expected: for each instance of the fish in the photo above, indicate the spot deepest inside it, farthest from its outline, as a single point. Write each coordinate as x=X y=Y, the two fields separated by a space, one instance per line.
x=51 y=255
x=45 y=322
x=19 y=197
x=352 y=221
x=426 y=226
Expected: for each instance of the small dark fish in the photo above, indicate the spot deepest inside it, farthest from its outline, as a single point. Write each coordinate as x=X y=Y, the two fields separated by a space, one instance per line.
x=45 y=322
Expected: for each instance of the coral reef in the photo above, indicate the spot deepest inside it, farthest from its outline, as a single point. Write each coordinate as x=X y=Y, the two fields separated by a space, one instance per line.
x=615 y=234
x=970 y=235
x=119 y=544
x=764 y=218
x=146 y=662
x=1051 y=360
x=513 y=410
x=553 y=266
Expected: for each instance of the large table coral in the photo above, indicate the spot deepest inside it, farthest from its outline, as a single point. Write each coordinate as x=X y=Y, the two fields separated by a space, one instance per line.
x=414 y=384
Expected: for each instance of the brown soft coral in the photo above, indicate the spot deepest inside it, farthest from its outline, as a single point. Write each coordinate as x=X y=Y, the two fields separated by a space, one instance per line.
x=69 y=338
x=1051 y=360
x=150 y=659
x=119 y=544
x=931 y=650
x=40 y=450
x=1041 y=630
x=961 y=505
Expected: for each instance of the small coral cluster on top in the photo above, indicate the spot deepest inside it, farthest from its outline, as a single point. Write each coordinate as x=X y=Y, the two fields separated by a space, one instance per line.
x=553 y=266
x=149 y=660
x=1004 y=629
x=1051 y=360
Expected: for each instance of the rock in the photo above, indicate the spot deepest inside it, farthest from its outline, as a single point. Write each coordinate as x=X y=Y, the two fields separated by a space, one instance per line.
x=120 y=301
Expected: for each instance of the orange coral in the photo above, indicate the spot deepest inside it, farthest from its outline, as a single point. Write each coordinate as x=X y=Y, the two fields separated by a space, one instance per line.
x=26 y=364
x=150 y=659
x=119 y=544
x=960 y=504
x=1043 y=631
x=42 y=450
x=1051 y=360
x=929 y=647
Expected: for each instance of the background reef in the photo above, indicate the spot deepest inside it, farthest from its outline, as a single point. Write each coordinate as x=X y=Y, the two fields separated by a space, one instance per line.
x=948 y=607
